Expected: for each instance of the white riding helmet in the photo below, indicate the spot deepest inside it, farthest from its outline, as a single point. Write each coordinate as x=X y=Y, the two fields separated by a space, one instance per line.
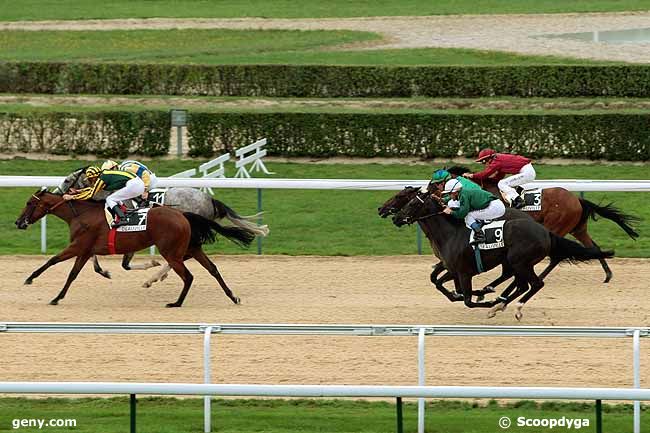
x=109 y=165
x=452 y=185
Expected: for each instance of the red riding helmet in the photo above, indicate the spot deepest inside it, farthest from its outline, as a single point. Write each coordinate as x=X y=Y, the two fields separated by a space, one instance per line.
x=485 y=154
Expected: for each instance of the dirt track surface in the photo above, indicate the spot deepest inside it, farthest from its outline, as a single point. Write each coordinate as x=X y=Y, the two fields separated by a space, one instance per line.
x=311 y=290
x=511 y=33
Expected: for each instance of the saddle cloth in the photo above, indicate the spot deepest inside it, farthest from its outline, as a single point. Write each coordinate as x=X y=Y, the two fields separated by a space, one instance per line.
x=157 y=196
x=136 y=220
x=494 y=237
x=532 y=199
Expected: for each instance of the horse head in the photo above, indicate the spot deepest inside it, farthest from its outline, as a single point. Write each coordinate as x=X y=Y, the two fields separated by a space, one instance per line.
x=423 y=205
x=396 y=202
x=39 y=204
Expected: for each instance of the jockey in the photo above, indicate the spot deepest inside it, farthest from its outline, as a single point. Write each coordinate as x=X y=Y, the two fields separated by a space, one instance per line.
x=139 y=169
x=439 y=178
x=476 y=206
x=122 y=184
x=500 y=164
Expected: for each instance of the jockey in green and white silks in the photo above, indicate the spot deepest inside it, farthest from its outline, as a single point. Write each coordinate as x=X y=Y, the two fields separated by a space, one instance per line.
x=440 y=177
x=475 y=206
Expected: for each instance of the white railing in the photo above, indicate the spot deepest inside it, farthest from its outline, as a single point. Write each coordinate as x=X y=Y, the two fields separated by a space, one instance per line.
x=584 y=185
x=363 y=330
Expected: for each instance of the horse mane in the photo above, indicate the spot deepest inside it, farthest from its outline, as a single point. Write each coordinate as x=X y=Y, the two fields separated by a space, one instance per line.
x=458 y=170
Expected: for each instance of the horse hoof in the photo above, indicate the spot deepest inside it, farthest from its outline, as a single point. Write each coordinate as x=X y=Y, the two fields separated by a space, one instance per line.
x=146 y=285
x=237 y=301
x=608 y=278
x=491 y=314
x=173 y=305
x=28 y=282
x=488 y=289
x=54 y=302
x=163 y=277
x=480 y=298
x=518 y=316
x=106 y=274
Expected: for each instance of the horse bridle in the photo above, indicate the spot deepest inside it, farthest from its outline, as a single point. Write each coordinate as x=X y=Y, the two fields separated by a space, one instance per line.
x=428 y=215
x=46 y=209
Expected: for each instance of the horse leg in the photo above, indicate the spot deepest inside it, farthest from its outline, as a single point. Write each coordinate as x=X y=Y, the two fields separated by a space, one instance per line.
x=99 y=269
x=437 y=269
x=582 y=235
x=159 y=276
x=452 y=296
x=179 y=267
x=78 y=265
x=465 y=283
x=62 y=256
x=126 y=263
x=205 y=261
x=505 y=298
x=535 y=285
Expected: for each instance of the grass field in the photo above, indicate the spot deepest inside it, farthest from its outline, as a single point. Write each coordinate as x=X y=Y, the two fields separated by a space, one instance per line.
x=329 y=222
x=167 y=415
x=239 y=47
x=87 y=9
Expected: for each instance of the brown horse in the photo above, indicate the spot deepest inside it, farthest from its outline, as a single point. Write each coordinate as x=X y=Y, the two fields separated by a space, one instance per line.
x=563 y=213
x=177 y=235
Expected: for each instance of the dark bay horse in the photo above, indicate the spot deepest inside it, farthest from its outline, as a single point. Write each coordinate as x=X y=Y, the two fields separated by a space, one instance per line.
x=526 y=244
x=564 y=213
x=177 y=235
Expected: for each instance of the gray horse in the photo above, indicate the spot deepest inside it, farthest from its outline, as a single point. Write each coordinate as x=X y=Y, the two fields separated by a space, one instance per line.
x=184 y=199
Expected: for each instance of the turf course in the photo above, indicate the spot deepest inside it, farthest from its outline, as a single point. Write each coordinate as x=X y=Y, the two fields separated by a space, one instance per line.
x=325 y=222
x=214 y=47
x=87 y=9
x=168 y=415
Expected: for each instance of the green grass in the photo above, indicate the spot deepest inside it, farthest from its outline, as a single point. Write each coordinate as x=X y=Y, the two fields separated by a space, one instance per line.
x=85 y=9
x=324 y=222
x=168 y=415
x=240 y=47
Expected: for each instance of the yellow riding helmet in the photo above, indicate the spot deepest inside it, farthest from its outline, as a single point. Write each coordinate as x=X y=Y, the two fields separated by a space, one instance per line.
x=93 y=172
x=109 y=165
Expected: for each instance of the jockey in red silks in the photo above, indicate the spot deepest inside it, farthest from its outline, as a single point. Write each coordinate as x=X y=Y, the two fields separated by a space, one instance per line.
x=500 y=164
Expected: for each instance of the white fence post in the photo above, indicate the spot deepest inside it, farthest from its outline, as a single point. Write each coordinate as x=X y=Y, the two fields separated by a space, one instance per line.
x=44 y=235
x=207 y=403
x=637 y=378
x=245 y=157
x=421 y=379
x=220 y=172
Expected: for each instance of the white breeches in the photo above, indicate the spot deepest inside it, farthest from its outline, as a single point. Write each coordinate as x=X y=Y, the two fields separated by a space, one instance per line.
x=525 y=175
x=153 y=180
x=133 y=188
x=495 y=210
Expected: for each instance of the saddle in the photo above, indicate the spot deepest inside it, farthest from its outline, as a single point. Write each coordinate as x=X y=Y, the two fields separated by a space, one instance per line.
x=136 y=219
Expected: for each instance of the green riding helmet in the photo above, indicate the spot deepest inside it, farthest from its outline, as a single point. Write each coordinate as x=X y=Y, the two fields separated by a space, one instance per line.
x=440 y=176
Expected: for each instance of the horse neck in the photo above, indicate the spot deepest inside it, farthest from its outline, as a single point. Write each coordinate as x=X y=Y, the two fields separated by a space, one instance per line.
x=66 y=213
x=492 y=187
x=438 y=229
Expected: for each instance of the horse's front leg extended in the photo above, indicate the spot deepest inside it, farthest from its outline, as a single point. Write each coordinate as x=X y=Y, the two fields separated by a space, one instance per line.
x=64 y=255
x=99 y=269
x=78 y=265
x=159 y=276
x=464 y=282
x=452 y=296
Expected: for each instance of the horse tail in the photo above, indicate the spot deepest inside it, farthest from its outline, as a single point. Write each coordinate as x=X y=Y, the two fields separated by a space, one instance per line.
x=565 y=249
x=221 y=210
x=611 y=212
x=204 y=231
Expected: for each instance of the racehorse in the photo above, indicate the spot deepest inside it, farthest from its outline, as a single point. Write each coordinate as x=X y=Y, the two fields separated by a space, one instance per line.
x=184 y=199
x=563 y=213
x=526 y=243
x=177 y=235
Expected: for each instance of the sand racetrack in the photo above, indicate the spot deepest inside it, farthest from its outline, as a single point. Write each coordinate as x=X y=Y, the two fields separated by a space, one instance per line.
x=366 y=290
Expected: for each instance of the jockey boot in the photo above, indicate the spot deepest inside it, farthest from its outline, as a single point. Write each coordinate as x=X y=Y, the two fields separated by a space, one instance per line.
x=518 y=203
x=119 y=218
x=479 y=235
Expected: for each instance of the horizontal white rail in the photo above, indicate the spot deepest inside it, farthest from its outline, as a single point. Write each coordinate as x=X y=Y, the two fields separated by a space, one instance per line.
x=324 y=390
x=342 y=184
x=322 y=329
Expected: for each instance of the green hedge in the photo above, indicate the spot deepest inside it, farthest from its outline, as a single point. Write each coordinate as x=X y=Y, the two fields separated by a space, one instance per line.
x=103 y=133
x=615 y=136
x=603 y=136
x=326 y=81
